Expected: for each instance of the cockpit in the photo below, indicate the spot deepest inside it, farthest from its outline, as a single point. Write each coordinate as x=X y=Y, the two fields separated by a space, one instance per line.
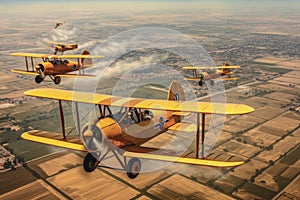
x=57 y=62
x=132 y=116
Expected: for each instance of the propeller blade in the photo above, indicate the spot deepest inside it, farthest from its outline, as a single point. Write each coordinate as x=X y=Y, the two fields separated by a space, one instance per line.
x=92 y=119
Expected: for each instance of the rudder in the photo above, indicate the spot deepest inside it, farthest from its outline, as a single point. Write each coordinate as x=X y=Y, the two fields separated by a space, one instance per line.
x=176 y=92
x=86 y=61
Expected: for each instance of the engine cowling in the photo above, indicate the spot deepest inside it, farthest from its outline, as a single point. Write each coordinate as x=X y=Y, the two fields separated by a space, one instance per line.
x=95 y=135
x=45 y=68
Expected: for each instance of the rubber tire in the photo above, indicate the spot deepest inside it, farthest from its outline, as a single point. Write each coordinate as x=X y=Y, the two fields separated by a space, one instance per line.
x=133 y=168
x=57 y=80
x=38 y=79
x=90 y=163
x=200 y=83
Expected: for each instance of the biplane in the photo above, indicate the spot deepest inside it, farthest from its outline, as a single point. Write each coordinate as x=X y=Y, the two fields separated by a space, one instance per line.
x=137 y=120
x=61 y=47
x=211 y=73
x=56 y=66
x=58 y=24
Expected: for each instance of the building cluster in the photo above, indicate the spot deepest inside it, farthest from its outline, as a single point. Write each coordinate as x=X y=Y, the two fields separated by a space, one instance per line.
x=7 y=160
x=293 y=105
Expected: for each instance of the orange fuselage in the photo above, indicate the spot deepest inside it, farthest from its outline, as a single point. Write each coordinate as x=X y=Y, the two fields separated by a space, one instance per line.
x=58 y=67
x=128 y=130
x=216 y=74
x=66 y=47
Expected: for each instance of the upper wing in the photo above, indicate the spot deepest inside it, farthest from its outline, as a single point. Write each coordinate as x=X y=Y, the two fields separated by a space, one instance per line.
x=177 y=106
x=78 y=56
x=229 y=67
x=39 y=55
x=33 y=55
x=210 y=67
x=24 y=72
x=53 y=43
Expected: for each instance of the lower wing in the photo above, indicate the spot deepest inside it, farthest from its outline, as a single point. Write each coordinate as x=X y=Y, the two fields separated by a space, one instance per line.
x=24 y=72
x=230 y=79
x=54 y=139
x=192 y=79
x=75 y=75
x=194 y=161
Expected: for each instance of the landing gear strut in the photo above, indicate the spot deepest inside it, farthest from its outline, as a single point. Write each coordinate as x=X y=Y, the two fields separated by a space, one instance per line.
x=201 y=80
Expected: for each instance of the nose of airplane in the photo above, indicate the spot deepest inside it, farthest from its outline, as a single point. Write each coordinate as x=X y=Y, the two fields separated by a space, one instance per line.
x=88 y=133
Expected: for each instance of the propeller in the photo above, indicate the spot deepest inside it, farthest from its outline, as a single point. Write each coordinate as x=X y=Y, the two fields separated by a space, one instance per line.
x=93 y=135
x=41 y=69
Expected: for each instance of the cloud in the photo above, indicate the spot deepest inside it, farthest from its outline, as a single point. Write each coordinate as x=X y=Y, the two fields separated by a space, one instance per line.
x=58 y=35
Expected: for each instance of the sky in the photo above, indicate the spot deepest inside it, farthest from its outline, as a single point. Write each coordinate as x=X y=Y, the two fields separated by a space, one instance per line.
x=38 y=6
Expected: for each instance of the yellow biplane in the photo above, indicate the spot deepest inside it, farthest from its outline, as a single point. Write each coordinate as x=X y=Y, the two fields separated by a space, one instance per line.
x=56 y=66
x=211 y=73
x=123 y=133
x=58 y=24
x=61 y=47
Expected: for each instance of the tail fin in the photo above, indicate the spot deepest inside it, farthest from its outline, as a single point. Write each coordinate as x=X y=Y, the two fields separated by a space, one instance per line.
x=176 y=92
x=86 y=61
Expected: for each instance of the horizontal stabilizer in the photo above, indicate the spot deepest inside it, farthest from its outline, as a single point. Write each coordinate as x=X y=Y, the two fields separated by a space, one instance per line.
x=182 y=114
x=186 y=127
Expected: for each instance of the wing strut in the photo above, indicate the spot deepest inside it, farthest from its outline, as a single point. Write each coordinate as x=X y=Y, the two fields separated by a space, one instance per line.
x=77 y=117
x=26 y=61
x=32 y=64
x=100 y=110
x=195 y=74
x=197 y=136
x=62 y=119
x=79 y=66
x=202 y=135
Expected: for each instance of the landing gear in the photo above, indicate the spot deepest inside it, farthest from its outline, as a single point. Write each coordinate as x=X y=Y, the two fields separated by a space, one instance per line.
x=57 y=80
x=201 y=79
x=212 y=82
x=200 y=83
x=38 y=79
x=90 y=163
x=133 y=168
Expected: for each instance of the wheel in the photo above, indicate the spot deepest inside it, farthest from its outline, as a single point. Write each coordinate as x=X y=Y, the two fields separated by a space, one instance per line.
x=38 y=79
x=90 y=163
x=200 y=83
x=57 y=80
x=212 y=82
x=133 y=168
